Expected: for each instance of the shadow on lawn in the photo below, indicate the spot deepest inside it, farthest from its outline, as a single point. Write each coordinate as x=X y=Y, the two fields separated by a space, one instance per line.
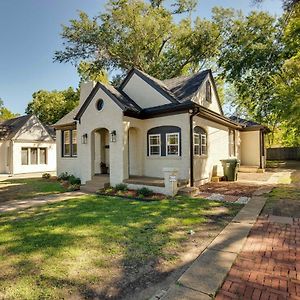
x=129 y=236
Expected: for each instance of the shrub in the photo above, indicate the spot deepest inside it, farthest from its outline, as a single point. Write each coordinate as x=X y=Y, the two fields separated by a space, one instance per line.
x=121 y=187
x=74 y=180
x=63 y=176
x=145 y=192
x=46 y=176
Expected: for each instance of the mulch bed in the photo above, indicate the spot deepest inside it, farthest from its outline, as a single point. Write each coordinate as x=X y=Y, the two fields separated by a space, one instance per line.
x=228 y=188
x=131 y=194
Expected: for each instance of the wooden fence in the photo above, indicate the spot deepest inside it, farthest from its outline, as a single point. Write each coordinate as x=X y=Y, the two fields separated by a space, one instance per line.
x=287 y=153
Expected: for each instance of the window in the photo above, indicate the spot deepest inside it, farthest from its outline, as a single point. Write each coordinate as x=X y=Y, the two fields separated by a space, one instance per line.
x=29 y=156
x=172 y=143
x=66 y=143
x=203 y=144
x=100 y=104
x=154 y=144
x=208 y=91
x=69 y=143
x=43 y=156
x=231 y=142
x=164 y=141
x=74 y=142
x=33 y=156
x=197 y=150
x=24 y=154
x=200 y=141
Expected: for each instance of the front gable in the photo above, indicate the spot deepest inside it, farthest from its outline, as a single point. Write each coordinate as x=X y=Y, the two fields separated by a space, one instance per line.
x=200 y=95
x=102 y=110
x=145 y=91
x=33 y=130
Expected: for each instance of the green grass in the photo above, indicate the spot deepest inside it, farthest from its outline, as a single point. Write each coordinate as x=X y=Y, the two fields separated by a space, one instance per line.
x=284 y=200
x=12 y=189
x=93 y=244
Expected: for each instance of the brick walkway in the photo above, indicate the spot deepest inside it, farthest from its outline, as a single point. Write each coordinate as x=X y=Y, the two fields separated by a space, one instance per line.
x=268 y=267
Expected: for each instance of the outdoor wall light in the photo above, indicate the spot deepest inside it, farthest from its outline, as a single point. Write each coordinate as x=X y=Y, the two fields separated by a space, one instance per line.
x=113 y=136
x=84 y=139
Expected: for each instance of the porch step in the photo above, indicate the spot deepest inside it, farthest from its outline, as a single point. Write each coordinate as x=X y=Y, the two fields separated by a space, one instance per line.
x=97 y=182
x=248 y=169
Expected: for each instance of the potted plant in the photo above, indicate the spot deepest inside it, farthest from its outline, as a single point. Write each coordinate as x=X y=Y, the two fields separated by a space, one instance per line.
x=103 y=168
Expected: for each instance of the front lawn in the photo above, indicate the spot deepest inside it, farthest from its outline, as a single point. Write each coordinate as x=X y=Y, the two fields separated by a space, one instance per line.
x=284 y=200
x=98 y=246
x=14 y=189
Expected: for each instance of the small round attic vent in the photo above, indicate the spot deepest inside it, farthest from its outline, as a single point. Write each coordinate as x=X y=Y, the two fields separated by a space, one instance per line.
x=100 y=104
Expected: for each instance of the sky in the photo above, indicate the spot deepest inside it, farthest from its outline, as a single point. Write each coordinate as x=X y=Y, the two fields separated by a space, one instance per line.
x=30 y=34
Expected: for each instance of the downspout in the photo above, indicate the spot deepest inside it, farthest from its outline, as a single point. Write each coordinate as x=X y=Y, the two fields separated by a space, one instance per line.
x=192 y=114
x=260 y=149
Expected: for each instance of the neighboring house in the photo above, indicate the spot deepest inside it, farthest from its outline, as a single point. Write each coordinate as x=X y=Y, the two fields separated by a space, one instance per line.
x=26 y=146
x=146 y=125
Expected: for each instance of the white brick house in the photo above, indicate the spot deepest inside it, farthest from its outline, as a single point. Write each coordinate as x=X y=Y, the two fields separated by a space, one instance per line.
x=146 y=125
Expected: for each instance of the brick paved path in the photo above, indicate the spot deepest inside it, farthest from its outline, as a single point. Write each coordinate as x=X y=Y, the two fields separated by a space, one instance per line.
x=268 y=267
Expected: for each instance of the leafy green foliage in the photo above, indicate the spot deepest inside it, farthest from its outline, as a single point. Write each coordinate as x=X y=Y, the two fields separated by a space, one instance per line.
x=143 y=35
x=144 y=192
x=50 y=107
x=5 y=114
x=255 y=55
x=121 y=187
x=73 y=180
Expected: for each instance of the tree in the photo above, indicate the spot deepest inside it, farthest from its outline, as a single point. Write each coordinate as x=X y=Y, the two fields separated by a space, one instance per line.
x=51 y=106
x=260 y=58
x=141 y=34
x=5 y=114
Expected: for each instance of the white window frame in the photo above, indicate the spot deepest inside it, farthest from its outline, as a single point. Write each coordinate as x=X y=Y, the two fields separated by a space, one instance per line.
x=167 y=144
x=156 y=145
x=203 y=136
x=198 y=144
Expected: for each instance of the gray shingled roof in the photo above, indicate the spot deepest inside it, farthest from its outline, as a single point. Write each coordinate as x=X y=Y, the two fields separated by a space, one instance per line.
x=68 y=118
x=10 y=127
x=185 y=87
x=244 y=122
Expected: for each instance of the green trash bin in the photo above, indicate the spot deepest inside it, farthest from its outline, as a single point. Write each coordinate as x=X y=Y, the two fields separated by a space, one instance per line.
x=230 y=167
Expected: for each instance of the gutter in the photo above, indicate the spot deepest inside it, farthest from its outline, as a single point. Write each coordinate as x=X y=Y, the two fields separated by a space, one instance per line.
x=193 y=113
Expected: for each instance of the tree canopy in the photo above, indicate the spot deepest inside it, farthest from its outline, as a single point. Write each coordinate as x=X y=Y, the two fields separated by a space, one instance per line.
x=50 y=106
x=256 y=55
x=5 y=113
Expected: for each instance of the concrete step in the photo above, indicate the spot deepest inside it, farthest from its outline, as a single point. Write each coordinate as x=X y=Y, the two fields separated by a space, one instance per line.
x=248 y=169
x=98 y=182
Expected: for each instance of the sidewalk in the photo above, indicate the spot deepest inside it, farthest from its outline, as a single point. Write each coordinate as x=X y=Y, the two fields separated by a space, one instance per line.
x=268 y=267
x=207 y=273
x=37 y=201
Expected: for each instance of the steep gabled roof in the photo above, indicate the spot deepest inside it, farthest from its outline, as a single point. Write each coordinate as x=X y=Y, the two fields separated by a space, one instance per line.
x=185 y=87
x=10 y=127
x=120 y=98
x=157 y=84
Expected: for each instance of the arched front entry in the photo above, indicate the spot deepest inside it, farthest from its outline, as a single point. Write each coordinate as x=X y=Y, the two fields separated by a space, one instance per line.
x=100 y=151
